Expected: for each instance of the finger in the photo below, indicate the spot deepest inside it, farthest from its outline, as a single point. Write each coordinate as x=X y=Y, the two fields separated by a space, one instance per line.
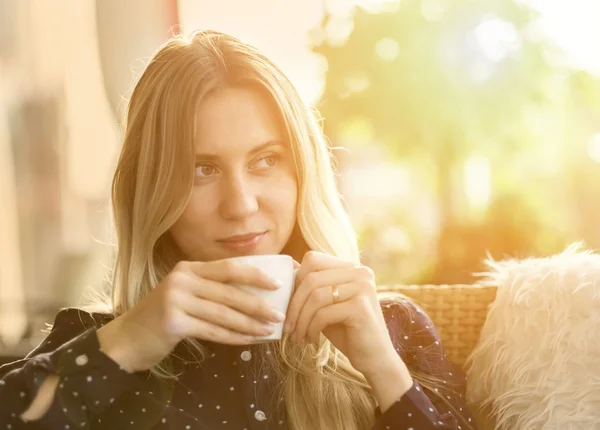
x=339 y=313
x=321 y=298
x=314 y=261
x=233 y=271
x=236 y=298
x=185 y=325
x=315 y=280
x=224 y=316
x=296 y=264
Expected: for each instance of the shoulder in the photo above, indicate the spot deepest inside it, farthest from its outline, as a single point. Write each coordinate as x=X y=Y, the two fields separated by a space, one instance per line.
x=400 y=312
x=68 y=323
x=418 y=342
x=411 y=329
x=72 y=318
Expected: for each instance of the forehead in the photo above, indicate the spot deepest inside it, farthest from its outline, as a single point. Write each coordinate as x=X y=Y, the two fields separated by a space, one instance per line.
x=234 y=119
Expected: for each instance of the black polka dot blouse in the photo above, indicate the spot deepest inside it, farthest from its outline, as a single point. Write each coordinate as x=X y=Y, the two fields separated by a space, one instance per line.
x=229 y=390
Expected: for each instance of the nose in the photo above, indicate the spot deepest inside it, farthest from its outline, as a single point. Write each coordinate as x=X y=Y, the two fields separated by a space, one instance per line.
x=238 y=198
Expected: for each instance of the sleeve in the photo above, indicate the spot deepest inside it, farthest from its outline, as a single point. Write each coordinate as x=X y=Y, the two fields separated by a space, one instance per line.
x=439 y=401
x=89 y=380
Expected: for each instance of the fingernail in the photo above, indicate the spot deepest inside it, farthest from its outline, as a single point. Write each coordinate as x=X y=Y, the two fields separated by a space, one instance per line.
x=278 y=315
x=267 y=329
x=277 y=283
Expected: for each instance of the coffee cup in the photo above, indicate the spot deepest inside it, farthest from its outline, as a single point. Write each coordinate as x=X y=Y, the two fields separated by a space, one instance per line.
x=281 y=268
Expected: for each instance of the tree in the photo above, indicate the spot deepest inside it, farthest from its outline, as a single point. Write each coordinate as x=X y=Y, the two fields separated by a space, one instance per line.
x=444 y=80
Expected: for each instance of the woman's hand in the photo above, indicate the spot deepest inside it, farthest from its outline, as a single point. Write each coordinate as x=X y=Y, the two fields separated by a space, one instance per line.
x=352 y=321
x=194 y=300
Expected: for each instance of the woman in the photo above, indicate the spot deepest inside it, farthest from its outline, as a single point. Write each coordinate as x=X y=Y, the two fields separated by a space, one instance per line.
x=220 y=159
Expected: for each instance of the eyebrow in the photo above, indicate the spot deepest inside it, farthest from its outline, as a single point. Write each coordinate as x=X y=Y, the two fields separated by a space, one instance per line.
x=268 y=144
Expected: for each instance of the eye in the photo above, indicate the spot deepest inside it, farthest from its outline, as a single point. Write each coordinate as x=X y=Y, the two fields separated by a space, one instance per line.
x=204 y=170
x=267 y=162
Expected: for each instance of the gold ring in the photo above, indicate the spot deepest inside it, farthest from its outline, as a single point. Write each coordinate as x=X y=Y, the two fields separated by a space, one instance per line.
x=336 y=294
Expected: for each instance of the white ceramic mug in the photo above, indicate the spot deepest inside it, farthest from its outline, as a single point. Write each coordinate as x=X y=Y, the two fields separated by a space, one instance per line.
x=281 y=268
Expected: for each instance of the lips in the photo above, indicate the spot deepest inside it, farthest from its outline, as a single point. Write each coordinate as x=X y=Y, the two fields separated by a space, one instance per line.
x=243 y=243
x=242 y=237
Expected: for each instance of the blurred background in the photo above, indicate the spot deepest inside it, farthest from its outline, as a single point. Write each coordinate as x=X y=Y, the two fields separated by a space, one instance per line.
x=463 y=128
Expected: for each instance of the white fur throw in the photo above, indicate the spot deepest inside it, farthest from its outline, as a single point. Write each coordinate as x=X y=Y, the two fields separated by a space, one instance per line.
x=537 y=364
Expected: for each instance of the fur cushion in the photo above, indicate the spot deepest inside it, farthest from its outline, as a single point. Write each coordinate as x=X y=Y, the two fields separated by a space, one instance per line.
x=537 y=363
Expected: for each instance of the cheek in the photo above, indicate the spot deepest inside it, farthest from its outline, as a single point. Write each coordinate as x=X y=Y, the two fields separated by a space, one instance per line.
x=198 y=209
x=284 y=199
x=192 y=222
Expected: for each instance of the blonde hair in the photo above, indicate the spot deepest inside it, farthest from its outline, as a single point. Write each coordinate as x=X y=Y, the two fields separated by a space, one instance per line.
x=153 y=182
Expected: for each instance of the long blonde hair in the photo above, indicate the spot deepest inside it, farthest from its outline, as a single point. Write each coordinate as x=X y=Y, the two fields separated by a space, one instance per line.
x=153 y=182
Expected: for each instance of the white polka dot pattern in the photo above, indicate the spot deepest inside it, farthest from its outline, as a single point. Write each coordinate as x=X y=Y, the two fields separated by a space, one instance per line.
x=230 y=389
x=81 y=360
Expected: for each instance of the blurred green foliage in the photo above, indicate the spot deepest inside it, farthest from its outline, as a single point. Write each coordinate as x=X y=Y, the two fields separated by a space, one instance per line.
x=443 y=81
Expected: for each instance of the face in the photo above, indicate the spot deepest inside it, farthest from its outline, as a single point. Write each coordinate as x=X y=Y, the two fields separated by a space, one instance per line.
x=244 y=197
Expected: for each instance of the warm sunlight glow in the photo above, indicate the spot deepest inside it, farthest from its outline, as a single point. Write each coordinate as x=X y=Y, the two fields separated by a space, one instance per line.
x=432 y=10
x=338 y=30
x=356 y=82
x=490 y=42
x=497 y=38
x=594 y=148
x=477 y=181
x=387 y=49
x=378 y=6
x=573 y=26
